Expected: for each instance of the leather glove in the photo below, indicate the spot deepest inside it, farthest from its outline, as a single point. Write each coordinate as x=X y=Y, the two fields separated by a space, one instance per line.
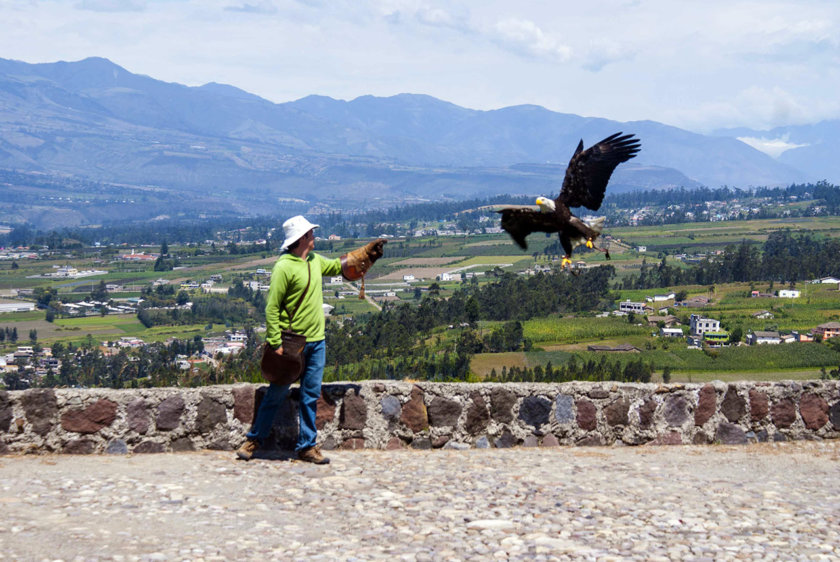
x=375 y=249
x=355 y=264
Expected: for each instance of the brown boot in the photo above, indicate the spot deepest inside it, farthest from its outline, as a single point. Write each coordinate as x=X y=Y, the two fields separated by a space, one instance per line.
x=247 y=450
x=313 y=455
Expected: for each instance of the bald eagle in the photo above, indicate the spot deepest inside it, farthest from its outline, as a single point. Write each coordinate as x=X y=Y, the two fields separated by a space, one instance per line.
x=586 y=181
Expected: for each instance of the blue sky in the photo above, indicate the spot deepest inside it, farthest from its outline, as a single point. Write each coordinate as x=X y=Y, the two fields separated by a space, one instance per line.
x=696 y=65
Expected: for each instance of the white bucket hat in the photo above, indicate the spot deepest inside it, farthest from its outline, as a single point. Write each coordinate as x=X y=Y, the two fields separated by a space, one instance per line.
x=294 y=228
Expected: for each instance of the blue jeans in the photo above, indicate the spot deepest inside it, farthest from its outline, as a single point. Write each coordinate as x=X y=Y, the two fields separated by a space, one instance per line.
x=310 y=389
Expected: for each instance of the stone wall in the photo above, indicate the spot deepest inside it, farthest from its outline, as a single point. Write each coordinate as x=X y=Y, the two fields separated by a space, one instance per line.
x=391 y=414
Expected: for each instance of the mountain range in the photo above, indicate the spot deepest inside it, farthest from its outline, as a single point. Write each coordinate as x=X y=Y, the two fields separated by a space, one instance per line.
x=89 y=141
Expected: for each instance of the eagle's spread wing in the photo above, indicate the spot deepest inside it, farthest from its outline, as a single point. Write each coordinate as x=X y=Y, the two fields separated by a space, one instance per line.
x=589 y=170
x=519 y=223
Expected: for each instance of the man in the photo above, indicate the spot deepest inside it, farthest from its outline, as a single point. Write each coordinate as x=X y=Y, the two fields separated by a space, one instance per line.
x=297 y=278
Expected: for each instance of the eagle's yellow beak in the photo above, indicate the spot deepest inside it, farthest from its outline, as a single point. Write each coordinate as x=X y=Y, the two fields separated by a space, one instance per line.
x=539 y=200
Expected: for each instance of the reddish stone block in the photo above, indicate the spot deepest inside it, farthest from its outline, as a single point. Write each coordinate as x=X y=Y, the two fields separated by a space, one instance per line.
x=40 y=408
x=646 y=413
x=586 y=414
x=353 y=412
x=783 y=413
x=549 y=441
x=701 y=438
x=501 y=404
x=79 y=447
x=137 y=416
x=444 y=412
x=324 y=412
x=394 y=443
x=706 y=405
x=244 y=398
x=439 y=442
x=730 y=434
x=733 y=406
x=759 y=405
x=209 y=414
x=91 y=419
x=169 y=413
x=814 y=411
x=670 y=438
x=676 y=410
x=182 y=444
x=414 y=414
x=353 y=443
x=617 y=412
x=478 y=417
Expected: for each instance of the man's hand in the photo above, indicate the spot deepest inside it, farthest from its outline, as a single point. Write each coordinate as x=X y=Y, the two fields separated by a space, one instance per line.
x=279 y=350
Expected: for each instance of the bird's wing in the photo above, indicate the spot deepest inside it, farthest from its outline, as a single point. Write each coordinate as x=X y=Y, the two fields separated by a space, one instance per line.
x=500 y=208
x=589 y=170
x=519 y=223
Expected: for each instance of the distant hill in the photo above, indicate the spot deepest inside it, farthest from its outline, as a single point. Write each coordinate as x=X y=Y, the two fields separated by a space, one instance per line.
x=815 y=147
x=123 y=144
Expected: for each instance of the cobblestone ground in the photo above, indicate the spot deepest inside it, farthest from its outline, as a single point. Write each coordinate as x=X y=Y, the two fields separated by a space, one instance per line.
x=758 y=502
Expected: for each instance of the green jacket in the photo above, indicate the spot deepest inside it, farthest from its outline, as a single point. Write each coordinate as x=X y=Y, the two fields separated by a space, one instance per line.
x=288 y=280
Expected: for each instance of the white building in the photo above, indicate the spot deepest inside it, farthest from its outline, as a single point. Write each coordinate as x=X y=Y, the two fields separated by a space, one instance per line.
x=635 y=307
x=661 y=298
x=700 y=325
x=788 y=294
x=671 y=332
x=762 y=338
x=17 y=306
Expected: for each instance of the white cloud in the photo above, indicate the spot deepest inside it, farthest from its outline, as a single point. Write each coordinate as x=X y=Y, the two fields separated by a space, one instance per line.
x=773 y=147
x=525 y=37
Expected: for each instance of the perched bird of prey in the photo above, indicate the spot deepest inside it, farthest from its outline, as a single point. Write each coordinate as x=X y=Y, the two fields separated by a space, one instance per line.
x=586 y=181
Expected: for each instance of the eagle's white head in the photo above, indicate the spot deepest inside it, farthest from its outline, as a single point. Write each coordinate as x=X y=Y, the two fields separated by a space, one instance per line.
x=546 y=205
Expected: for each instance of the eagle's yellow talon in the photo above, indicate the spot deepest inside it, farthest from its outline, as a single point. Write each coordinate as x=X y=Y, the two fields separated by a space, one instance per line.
x=589 y=243
x=566 y=261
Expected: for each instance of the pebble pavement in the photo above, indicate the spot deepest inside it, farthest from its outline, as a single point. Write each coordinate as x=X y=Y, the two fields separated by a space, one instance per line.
x=758 y=502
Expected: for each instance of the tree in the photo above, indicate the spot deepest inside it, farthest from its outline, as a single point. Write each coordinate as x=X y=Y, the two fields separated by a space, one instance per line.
x=44 y=295
x=164 y=248
x=99 y=292
x=33 y=335
x=164 y=264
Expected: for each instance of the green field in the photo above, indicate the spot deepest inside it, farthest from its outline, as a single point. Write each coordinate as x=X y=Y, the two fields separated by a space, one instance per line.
x=554 y=338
